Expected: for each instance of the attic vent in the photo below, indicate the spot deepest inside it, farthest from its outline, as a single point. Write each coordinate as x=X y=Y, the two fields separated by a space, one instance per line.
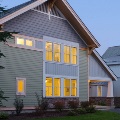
x=54 y=10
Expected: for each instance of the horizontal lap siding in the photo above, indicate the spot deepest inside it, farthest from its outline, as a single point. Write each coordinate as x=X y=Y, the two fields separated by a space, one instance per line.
x=21 y=63
x=83 y=77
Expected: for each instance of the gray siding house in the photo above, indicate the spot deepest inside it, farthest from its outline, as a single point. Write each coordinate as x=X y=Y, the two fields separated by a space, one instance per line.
x=53 y=54
x=112 y=58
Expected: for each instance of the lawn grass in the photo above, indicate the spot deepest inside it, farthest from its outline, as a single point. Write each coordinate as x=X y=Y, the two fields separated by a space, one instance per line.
x=99 y=115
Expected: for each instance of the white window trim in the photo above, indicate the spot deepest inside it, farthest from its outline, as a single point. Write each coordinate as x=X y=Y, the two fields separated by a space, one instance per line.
x=62 y=43
x=25 y=46
x=101 y=91
x=61 y=87
x=17 y=79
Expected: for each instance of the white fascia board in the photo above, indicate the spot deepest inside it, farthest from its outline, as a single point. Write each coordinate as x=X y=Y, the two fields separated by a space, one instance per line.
x=22 y=10
x=105 y=65
x=80 y=22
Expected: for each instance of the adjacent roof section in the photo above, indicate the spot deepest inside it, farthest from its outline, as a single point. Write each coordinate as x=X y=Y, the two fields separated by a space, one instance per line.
x=14 y=9
x=66 y=10
x=112 y=52
x=110 y=72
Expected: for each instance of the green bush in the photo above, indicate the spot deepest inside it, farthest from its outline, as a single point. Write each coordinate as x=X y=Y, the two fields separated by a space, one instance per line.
x=73 y=104
x=91 y=109
x=71 y=113
x=81 y=111
x=4 y=116
x=102 y=103
x=18 y=103
x=42 y=104
x=85 y=104
x=59 y=105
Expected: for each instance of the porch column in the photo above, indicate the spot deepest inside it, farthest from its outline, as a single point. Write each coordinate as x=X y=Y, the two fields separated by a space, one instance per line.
x=110 y=89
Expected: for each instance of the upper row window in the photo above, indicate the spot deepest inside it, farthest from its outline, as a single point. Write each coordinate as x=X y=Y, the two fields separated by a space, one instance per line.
x=21 y=41
x=53 y=53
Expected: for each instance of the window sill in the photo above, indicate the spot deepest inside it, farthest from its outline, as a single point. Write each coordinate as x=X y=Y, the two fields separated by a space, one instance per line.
x=23 y=47
x=61 y=63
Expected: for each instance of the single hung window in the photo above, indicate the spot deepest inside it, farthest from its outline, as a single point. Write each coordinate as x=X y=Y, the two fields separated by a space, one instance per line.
x=74 y=55
x=57 y=53
x=56 y=86
x=66 y=87
x=49 y=50
x=99 y=91
x=66 y=54
x=21 y=86
x=73 y=87
x=20 y=41
x=29 y=43
x=49 y=86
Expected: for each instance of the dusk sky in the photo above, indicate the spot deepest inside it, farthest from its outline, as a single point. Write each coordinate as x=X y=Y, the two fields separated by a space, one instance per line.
x=102 y=17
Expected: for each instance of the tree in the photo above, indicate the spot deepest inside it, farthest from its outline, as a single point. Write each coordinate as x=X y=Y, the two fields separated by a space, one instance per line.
x=4 y=35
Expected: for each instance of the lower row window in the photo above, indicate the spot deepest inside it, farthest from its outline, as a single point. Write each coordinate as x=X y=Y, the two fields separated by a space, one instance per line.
x=54 y=87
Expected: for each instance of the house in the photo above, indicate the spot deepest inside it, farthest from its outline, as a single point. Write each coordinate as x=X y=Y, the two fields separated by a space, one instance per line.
x=53 y=54
x=112 y=58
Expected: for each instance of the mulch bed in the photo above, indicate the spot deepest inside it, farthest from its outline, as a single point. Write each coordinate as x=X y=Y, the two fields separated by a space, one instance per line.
x=47 y=114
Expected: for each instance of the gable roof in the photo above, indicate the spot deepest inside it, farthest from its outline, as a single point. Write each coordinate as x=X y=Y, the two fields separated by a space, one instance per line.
x=112 y=52
x=99 y=58
x=66 y=10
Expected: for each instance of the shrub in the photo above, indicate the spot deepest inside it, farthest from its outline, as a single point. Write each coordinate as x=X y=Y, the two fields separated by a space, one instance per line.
x=42 y=104
x=73 y=104
x=91 y=109
x=71 y=113
x=59 y=105
x=18 y=103
x=4 y=116
x=102 y=103
x=85 y=104
x=81 y=111
x=2 y=97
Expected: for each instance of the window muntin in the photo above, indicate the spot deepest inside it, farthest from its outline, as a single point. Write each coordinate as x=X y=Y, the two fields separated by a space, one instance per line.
x=56 y=86
x=29 y=43
x=66 y=54
x=49 y=53
x=21 y=84
x=20 y=41
x=74 y=55
x=57 y=50
x=99 y=92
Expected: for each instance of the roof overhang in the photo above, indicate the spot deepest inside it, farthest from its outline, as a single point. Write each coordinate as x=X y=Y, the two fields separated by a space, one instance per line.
x=77 y=23
x=70 y=15
x=110 y=72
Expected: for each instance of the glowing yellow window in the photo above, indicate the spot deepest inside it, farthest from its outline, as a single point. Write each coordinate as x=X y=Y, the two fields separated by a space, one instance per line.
x=56 y=86
x=66 y=54
x=57 y=52
x=29 y=43
x=73 y=87
x=20 y=41
x=20 y=86
x=66 y=87
x=99 y=91
x=74 y=55
x=49 y=50
x=48 y=86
